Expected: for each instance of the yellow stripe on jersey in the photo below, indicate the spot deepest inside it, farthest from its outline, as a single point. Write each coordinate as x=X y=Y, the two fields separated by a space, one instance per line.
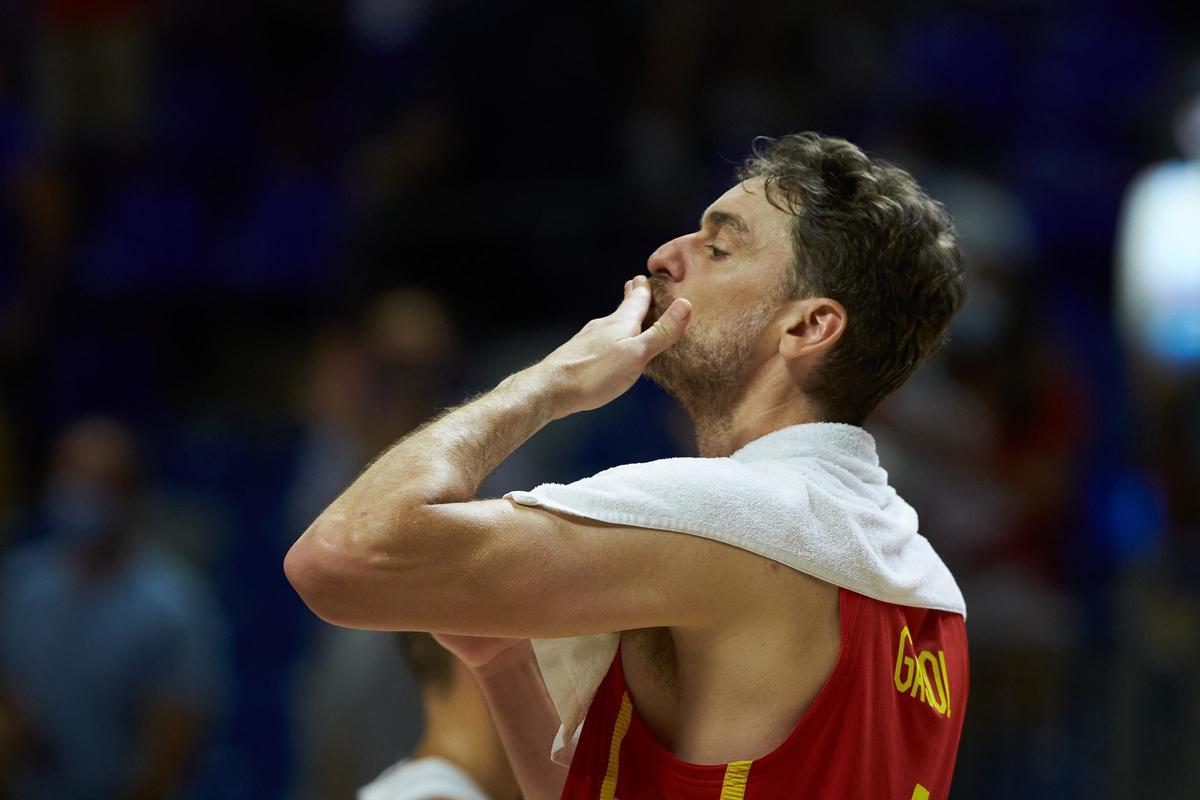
x=736 y=775
x=608 y=788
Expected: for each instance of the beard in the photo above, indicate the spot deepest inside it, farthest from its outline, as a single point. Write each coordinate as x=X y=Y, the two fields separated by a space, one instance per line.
x=708 y=369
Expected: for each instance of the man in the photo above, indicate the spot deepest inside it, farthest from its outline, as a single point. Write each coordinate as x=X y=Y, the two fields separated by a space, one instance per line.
x=812 y=288
x=460 y=755
x=110 y=665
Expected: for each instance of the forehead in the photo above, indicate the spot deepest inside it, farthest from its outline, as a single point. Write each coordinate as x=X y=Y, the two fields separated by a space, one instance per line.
x=769 y=226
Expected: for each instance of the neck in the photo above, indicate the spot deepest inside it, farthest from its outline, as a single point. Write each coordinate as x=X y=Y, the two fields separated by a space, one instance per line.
x=459 y=730
x=724 y=425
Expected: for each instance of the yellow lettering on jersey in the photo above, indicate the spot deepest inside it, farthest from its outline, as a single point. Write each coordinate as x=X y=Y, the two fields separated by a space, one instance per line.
x=922 y=674
x=903 y=660
x=920 y=793
x=945 y=680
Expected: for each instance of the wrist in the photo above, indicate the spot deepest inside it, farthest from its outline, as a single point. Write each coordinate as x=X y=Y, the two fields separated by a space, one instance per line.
x=548 y=392
x=512 y=658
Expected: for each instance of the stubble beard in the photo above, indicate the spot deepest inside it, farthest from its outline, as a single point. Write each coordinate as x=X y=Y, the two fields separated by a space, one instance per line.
x=708 y=369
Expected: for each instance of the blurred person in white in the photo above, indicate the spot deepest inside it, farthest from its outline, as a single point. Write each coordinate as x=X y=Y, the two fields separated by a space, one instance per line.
x=1158 y=307
x=1158 y=258
x=460 y=755
x=110 y=667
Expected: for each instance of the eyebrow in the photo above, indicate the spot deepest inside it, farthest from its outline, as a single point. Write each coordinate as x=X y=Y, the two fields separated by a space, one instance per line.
x=729 y=219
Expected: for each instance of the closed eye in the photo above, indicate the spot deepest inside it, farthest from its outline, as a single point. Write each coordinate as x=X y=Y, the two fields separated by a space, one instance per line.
x=717 y=253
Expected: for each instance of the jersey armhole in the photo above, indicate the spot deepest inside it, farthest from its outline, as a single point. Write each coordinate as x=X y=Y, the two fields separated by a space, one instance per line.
x=850 y=608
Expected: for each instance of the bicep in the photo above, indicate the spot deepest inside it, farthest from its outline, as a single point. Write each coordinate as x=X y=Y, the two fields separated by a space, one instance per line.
x=491 y=567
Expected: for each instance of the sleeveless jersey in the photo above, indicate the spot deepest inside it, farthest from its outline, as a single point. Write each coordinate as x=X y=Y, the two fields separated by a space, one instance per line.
x=885 y=726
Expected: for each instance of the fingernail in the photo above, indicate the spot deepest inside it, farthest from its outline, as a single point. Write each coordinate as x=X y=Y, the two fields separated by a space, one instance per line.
x=680 y=310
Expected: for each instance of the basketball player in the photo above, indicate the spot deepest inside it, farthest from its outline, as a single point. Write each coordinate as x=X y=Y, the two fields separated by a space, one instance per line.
x=811 y=289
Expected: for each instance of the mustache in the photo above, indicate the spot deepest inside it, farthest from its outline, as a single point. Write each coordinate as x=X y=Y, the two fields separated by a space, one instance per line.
x=660 y=299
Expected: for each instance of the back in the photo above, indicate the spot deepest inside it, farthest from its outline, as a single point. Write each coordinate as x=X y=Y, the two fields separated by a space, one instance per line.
x=885 y=726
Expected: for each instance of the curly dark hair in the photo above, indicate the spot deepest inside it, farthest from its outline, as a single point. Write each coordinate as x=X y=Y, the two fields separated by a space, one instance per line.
x=865 y=234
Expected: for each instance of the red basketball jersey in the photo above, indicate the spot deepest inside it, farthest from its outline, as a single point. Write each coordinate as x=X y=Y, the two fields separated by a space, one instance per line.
x=885 y=726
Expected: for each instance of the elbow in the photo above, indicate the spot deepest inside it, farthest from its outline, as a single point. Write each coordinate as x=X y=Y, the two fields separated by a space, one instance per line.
x=322 y=578
x=304 y=573
x=300 y=571
x=348 y=582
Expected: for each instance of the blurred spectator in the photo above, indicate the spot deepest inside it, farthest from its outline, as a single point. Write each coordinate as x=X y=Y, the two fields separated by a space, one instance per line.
x=460 y=755
x=1157 y=300
x=367 y=386
x=110 y=671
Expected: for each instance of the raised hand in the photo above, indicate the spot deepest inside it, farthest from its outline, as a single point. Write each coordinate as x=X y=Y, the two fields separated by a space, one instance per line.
x=606 y=357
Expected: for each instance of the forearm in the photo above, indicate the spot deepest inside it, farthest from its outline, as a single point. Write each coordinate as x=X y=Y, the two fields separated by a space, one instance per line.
x=384 y=554
x=526 y=720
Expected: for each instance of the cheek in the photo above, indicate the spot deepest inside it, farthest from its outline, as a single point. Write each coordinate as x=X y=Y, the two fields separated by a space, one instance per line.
x=713 y=326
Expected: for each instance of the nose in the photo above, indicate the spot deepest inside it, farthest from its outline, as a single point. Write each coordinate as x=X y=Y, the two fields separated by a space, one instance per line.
x=667 y=260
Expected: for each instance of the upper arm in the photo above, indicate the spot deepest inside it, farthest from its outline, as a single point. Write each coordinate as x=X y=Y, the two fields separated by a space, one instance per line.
x=492 y=567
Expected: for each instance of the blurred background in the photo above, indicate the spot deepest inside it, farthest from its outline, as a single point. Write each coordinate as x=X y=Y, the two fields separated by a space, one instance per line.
x=245 y=246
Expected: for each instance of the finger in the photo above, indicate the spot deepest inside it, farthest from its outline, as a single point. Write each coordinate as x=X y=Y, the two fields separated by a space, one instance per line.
x=668 y=329
x=636 y=302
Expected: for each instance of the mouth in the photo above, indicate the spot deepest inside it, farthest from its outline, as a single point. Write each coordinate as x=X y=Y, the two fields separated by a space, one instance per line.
x=658 y=304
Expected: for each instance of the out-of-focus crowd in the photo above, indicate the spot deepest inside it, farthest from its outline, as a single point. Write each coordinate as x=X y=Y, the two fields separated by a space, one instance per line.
x=244 y=247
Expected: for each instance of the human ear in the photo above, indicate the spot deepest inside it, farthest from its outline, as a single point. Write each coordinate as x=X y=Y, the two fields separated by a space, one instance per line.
x=814 y=325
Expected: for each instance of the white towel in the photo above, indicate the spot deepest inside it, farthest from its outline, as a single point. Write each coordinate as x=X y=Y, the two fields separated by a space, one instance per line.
x=810 y=496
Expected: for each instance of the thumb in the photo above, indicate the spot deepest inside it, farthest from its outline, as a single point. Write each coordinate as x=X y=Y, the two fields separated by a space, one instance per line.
x=667 y=330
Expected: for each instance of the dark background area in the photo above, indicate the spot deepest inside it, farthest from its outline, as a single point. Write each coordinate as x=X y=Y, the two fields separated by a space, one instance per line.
x=269 y=238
